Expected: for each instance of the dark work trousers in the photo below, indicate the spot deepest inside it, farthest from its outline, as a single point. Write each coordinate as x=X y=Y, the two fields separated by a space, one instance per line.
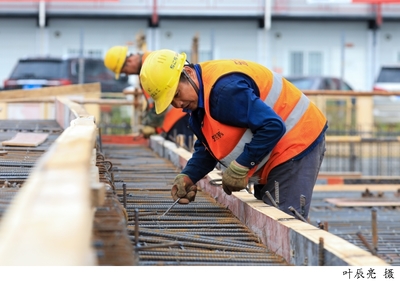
x=294 y=178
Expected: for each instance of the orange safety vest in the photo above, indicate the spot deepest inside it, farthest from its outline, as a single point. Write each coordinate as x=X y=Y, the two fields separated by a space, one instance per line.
x=172 y=116
x=304 y=121
x=144 y=56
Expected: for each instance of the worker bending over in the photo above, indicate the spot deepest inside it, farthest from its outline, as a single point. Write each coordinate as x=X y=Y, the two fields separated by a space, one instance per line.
x=253 y=121
x=169 y=123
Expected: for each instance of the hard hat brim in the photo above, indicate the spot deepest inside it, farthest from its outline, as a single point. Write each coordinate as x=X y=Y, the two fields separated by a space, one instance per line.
x=163 y=103
x=121 y=63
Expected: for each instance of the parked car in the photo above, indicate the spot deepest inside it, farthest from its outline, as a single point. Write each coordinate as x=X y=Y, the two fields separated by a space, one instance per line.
x=319 y=83
x=36 y=72
x=388 y=79
x=386 y=108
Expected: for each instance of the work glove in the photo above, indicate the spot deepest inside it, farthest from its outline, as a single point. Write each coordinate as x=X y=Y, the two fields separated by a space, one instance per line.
x=184 y=189
x=147 y=131
x=234 y=178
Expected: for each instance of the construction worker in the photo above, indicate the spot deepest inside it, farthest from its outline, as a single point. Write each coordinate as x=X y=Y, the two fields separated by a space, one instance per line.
x=172 y=121
x=260 y=127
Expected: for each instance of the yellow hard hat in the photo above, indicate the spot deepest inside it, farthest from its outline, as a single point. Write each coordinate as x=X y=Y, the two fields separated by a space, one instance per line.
x=115 y=59
x=160 y=75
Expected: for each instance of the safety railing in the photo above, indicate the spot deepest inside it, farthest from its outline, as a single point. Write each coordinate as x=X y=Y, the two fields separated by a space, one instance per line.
x=356 y=141
x=372 y=157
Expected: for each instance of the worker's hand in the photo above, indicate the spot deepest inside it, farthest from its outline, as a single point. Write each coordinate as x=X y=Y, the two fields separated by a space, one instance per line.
x=147 y=131
x=234 y=178
x=183 y=188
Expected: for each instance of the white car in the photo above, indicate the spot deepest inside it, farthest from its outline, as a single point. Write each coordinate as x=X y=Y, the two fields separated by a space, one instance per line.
x=386 y=109
x=319 y=83
x=388 y=79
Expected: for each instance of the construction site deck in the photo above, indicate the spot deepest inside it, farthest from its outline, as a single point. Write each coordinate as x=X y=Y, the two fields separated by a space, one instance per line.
x=75 y=198
x=128 y=227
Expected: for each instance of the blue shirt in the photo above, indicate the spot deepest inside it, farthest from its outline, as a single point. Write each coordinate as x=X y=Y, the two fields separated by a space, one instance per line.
x=234 y=100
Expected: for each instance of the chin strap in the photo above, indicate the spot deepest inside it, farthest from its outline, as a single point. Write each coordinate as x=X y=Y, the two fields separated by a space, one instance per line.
x=191 y=81
x=140 y=61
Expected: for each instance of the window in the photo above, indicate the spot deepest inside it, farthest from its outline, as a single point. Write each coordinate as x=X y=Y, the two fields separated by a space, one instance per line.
x=305 y=63
x=296 y=63
x=95 y=53
x=203 y=56
x=314 y=63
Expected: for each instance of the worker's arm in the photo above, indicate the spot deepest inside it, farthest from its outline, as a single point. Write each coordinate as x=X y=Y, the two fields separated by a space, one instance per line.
x=200 y=164
x=235 y=101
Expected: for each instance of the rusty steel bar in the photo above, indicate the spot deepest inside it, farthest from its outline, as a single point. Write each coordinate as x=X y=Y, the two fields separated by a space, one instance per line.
x=211 y=257
x=277 y=192
x=271 y=199
x=297 y=214
x=374 y=230
x=124 y=194
x=321 y=252
x=216 y=247
x=302 y=204
x=136 y=227
x=166 y=245
x=202 y=239
x=365 y=242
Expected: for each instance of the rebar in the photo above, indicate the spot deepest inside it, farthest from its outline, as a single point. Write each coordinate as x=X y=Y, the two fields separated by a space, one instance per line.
x=297 y=214
x=321 y=252
x=365 y=242
x=271 y=199
x=302 y=205
x=277 y=192
x=124 y=194
x=374 y=230
x=136 y=227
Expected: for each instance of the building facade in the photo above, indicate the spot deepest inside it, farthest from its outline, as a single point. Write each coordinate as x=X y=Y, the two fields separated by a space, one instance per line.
x=292 y=37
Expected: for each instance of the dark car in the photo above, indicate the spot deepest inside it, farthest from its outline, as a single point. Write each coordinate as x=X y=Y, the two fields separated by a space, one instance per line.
x=319 y=83
x=50 y=71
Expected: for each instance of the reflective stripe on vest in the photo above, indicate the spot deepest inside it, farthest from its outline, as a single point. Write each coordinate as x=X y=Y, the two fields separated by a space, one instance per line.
x=290 y=122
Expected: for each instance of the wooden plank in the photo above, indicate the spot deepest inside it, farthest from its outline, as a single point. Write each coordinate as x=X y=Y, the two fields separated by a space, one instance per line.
x=356 y=187
x=75 y=108
x=26 y=139
x=111 y=102
x=49 y=222
x=75 y=89
x=344 y=139
x=340 y=174
x=336 y=93
x=363 y=202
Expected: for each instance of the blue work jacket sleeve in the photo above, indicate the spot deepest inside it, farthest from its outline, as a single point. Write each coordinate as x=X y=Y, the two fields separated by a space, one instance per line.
x=200 y=164
x=235 y=101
